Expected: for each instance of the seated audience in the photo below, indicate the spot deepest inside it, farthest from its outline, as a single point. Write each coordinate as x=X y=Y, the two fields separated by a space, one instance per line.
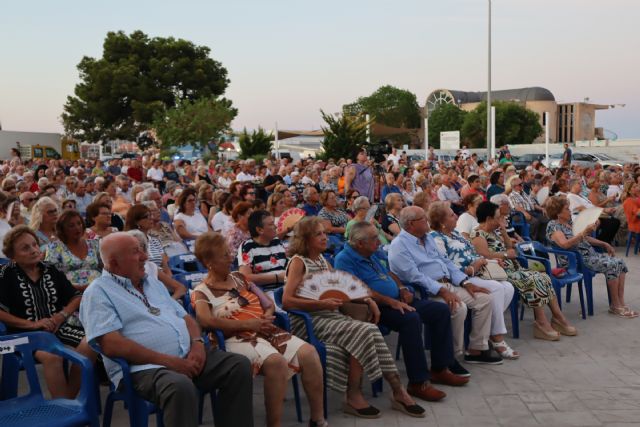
x=468 y=221
x=171 y=364
x=335 y=219
x=99 y=216
x=393 y=204
x=239 y=233
x=233 y=304
x=360 y=209
x=414 y=258
x=44 y=216
x=577 y=203
x=311 y=198
x=461 y=252
x=400 y=311
x=353 y=347
x=535 y=287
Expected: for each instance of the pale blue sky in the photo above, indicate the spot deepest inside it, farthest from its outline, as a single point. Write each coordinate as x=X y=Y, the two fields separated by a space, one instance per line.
x=288 y=59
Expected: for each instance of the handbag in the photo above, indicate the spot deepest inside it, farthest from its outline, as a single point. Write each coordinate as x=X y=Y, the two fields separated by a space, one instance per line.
x=357 y=311
x=493 y=271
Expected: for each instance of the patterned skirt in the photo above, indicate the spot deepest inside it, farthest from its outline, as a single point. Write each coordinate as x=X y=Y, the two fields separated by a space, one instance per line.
x=612 y=267
x=71 y=331
x=535 y=288
x=345 y=337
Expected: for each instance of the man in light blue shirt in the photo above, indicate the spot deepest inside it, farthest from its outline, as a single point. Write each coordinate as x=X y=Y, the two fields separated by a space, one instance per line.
x=132 y=316
x=414 y=258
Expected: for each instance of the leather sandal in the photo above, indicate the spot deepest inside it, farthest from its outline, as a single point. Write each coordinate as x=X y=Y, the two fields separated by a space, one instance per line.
x=624 y=312
x=507 y=353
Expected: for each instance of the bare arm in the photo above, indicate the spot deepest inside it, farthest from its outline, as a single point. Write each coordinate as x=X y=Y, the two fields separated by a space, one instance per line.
x=290 y=301
x=181 y=229
x=261 y=278
x=228 y=326
x=349 y=175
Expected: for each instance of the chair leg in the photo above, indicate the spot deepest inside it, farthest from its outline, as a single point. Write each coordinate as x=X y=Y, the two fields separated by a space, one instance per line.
x=568 y=297
x=108 y=411
x=296 y=396
x=10 y=373
x=588 y=284
x=629 y=238
x=515 y=323
x=581 y=291
x=635 y=249
x=558 y=291
x=398 y=349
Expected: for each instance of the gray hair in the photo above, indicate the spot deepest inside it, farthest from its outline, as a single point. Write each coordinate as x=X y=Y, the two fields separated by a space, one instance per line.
x=359 y=202
x=307 y=192
x=358 y=232
x=140 y=236
x=499 y=199
x=38 y=209
x=407 y=215
x=145 y=196
x=150 y=204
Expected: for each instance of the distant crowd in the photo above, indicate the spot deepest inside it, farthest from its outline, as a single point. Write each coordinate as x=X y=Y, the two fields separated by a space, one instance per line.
x=102 y=253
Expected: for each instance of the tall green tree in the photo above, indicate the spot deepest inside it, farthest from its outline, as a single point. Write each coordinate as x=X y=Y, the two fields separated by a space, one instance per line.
x=515 y=124
x=137 y=76
x=445 y=118
x=391 y=107
x=256 y=144
x=193 y=123
x=343 y=135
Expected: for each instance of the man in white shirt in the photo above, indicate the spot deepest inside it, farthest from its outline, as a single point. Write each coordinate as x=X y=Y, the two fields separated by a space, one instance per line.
x=156 y=173
x=615 y=189
x=394 y=157
x=246 y=173
x=447 y=193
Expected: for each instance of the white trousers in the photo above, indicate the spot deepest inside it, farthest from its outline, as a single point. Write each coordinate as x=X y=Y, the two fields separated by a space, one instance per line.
x=501 y=296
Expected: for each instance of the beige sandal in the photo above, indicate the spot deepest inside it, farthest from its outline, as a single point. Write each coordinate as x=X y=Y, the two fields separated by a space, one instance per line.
x=623 y=312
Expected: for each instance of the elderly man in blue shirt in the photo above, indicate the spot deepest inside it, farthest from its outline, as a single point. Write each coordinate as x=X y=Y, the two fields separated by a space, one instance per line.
x=132 y=316
x=400 y=312
x=415 y=259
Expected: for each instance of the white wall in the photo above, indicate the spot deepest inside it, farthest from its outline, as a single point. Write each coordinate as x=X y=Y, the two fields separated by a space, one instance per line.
x=8 y=140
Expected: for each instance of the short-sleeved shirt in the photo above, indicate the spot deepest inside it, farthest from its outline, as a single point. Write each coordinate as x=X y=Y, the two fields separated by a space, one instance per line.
x=111 y=303
x=466 y=223
x=372 y=271
x=155 y=250
x=263 y=259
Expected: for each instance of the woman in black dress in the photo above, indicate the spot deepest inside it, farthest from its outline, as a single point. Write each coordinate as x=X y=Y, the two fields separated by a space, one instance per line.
x=36 y=296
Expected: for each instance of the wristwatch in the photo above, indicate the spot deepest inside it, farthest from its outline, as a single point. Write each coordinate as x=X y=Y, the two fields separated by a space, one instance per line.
x=199 y=339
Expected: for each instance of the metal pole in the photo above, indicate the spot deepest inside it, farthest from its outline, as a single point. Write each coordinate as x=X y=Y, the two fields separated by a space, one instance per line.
x=426 y=138
x=277 y=143
x=490 y=143
x=546 y=138
x=493 y=130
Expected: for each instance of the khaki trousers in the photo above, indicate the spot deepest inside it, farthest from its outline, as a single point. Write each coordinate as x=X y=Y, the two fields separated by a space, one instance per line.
x=481 y=312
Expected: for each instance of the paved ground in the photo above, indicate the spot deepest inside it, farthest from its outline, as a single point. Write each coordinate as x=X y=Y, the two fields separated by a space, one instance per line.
x=589 y=380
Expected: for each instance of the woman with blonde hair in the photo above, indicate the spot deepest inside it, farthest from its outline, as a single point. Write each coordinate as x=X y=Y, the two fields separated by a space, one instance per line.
x=44 y=215
x=353 y=347
x=205 y=198
x=228 y=302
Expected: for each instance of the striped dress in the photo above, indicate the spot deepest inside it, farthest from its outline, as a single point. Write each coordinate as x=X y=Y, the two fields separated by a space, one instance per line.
x=344 y=337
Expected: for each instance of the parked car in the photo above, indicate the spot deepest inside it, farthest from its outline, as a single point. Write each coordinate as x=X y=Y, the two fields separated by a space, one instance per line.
x=521 y=162
x=587 y=160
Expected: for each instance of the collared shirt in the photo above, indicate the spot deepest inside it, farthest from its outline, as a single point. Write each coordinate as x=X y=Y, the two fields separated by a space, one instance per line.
x=82 y=202
x=372 y=271
x=448 y=194
x=107 y=307
x=520 y=200
x=421 y=264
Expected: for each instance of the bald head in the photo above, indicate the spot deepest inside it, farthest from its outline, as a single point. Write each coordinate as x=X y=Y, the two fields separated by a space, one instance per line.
x=122 y=255
x=414 y=221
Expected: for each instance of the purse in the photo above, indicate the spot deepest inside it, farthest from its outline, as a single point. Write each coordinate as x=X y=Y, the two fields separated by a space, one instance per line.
x=357 y=311
x=493 y=271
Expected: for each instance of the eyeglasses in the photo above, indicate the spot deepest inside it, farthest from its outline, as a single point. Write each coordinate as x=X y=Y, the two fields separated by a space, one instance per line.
x=242 y=301
x=52 y=211
x=251 y=192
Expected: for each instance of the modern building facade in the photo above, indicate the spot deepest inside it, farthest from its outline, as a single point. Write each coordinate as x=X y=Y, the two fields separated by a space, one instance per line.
x=568 y=122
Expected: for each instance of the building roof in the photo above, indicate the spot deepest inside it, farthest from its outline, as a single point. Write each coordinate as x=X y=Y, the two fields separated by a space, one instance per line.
x=521 y=95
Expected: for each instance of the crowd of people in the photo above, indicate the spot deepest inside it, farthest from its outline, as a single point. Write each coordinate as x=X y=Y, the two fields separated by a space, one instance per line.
x=86 y=250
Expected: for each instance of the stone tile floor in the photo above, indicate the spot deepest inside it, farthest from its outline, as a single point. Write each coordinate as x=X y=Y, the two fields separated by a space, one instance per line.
x=589 y=380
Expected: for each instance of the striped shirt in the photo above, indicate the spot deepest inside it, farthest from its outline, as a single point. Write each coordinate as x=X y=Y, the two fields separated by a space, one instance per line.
x=155 y=251
x=263 y=259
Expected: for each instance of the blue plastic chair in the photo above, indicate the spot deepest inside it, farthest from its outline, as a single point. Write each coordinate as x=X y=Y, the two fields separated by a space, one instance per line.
x=520 y=225
x=281 y=321
x=190 y=279
x=33 y=410
x=630 y=237
x=572 y=275
x=588 y=276
x=4 y=261
x=185 y=263
x=311 y=339
x=138 y=408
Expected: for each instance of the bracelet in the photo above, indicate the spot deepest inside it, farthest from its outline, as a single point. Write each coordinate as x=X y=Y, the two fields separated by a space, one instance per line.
x=199 y=339
x=473 y=271
x=64 y=314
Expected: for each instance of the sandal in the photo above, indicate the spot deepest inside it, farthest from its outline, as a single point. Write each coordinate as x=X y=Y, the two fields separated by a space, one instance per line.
x=507 y=353
x=414 y=410
x=624 y=312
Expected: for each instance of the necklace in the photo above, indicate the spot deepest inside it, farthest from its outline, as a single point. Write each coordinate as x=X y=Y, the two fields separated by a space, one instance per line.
x=151 y=309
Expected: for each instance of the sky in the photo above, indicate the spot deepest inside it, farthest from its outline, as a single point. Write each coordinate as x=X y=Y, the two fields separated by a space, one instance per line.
x=287 y=60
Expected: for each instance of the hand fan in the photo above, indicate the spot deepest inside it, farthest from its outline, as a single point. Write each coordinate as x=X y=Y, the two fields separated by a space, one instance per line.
x=289 y=218
x=586 y=218
x=333 y=284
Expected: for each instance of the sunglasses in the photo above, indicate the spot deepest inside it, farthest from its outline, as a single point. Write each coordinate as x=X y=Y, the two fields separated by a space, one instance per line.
x=242 y=301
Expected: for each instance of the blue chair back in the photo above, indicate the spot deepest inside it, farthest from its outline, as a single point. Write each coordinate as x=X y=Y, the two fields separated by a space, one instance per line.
x=520 y=225
x=4 y=261
x=190 y=280
x=33 y=409
x=185 y=263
